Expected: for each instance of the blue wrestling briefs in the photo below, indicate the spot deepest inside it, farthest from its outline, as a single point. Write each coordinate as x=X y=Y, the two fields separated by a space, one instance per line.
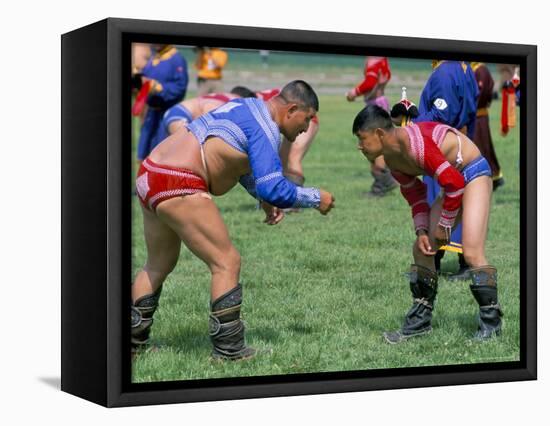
x=478 y=167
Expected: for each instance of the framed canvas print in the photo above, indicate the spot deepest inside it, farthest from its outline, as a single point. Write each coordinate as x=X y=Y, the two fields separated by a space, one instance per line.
x=254 y=212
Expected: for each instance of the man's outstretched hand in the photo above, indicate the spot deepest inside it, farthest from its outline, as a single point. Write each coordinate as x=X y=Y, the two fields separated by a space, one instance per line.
x=327 y=202
x=273 y=215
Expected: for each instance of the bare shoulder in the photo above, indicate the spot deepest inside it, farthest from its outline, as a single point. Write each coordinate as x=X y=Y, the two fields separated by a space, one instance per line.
x=402 y=158
x=403 y=141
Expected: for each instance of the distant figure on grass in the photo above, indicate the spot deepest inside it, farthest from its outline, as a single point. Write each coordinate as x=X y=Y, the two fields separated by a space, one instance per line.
x=377 y=76
x=237 y=142
x=141 y=52
x=482 y=136
x=443 y=152
x=509 y=84
x=163 y=81
x=210 y=62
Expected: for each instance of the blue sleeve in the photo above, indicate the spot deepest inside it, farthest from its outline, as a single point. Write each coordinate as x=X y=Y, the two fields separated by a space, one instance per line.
x=175 y=113
x=439 y=101
x=471 y=97
x=247 y=181
x=270 y=184
x=174 y=87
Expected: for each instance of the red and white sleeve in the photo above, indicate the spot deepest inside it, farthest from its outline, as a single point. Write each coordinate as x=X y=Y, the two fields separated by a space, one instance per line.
x=414 y=191
x=371 y=78
x=450 y=179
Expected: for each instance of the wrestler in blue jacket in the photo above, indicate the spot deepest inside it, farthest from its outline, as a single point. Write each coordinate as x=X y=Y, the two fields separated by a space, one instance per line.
x=449 y=97
x=168 y=69
x=246 y=125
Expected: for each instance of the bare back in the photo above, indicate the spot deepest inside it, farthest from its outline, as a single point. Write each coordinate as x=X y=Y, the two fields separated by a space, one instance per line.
x=197 y=107
x=203 y=104
x=193 y=106
x=451 y=145
x=224 y=164
x=210 y=102
x=399 y=156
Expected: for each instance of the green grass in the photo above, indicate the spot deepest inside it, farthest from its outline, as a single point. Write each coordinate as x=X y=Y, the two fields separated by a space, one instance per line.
x=319 y=291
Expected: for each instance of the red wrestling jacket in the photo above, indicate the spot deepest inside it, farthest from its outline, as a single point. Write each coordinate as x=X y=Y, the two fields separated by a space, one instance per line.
x=425 y=140
x=377 y=73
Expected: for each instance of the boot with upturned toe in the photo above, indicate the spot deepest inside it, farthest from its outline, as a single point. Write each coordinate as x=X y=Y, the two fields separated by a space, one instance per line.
x=418 y=320
x=226 y=328
x=484 y=289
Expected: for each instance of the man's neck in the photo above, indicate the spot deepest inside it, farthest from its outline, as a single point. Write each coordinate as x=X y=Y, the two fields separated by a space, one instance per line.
x=274 y=111
x=392 y=143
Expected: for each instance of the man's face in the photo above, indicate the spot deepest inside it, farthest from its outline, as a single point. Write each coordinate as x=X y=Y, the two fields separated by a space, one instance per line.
x=369 y=143
x=296 y=122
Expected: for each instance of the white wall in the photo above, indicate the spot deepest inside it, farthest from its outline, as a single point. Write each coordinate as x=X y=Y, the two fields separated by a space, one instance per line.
x=30 y=211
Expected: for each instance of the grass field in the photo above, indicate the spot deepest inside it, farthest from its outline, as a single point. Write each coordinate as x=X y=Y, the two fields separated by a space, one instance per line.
x=319 y=291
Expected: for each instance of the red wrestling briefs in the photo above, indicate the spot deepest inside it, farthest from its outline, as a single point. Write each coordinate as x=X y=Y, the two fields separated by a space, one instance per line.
x=156 y=183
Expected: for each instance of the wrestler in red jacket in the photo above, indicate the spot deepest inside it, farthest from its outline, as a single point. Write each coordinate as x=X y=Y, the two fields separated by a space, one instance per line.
x=377 y=76
x=451 y=158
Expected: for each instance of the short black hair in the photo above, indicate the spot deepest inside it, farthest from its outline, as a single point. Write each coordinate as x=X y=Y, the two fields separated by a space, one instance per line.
x=301 y=93
x=372 y=117
x=243 y=92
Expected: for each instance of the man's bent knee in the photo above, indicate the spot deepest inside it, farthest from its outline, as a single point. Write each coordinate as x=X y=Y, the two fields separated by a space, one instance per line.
x=158 y=275
x=229 y=262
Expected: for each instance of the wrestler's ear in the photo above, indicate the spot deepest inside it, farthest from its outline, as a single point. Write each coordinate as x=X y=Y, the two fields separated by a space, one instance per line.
x=292 y=108
x=380 y=132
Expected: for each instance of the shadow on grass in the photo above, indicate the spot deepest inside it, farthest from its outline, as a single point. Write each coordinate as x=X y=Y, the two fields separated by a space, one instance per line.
x=506 y=197
x=266 y=334
x=189 y=340
x=300 y=327
x=192 y=340
x=467 y=323
x=245 y=207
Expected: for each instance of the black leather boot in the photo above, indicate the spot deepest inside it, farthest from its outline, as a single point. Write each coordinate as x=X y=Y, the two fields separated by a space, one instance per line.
x=142 y=312
x=484 y=289
x=463 y=272
x=226 y=328
x=418 y=320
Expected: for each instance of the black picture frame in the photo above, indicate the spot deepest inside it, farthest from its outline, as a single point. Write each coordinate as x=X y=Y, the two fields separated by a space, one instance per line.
x=95 y=212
